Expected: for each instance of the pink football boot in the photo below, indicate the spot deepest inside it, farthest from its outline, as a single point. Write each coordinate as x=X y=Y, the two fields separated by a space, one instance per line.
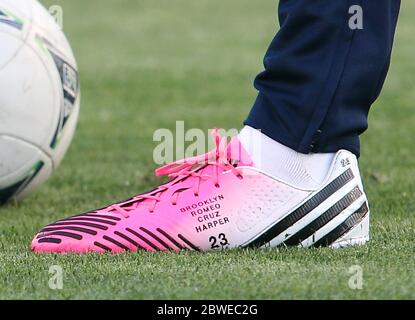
x=220 y=200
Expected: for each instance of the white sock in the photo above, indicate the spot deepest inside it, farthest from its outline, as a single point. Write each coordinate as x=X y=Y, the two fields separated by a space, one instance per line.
x=305 y=171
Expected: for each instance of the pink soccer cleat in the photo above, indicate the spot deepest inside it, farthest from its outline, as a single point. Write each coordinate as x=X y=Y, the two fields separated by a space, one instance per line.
x=220 y=200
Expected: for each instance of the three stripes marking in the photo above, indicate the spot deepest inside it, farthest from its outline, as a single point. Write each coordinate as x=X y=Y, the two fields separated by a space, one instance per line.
x=325 y=218
x=306 y=208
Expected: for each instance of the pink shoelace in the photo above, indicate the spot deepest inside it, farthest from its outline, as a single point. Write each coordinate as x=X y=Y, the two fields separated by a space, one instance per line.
x=184 y=169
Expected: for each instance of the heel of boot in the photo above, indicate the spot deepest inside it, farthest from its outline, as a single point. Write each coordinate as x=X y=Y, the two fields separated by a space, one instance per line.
x=358 y=233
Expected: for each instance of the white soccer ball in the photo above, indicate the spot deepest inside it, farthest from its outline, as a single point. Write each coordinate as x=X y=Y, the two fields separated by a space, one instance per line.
x=39 y=97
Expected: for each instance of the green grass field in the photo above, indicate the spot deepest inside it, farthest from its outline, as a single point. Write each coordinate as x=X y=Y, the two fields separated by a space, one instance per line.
x=145 y=64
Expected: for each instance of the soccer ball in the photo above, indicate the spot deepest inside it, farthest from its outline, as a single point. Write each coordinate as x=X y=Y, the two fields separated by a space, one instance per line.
x=39 y=97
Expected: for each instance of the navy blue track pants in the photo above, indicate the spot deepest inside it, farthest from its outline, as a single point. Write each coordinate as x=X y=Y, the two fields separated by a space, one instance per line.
x=323 y=70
